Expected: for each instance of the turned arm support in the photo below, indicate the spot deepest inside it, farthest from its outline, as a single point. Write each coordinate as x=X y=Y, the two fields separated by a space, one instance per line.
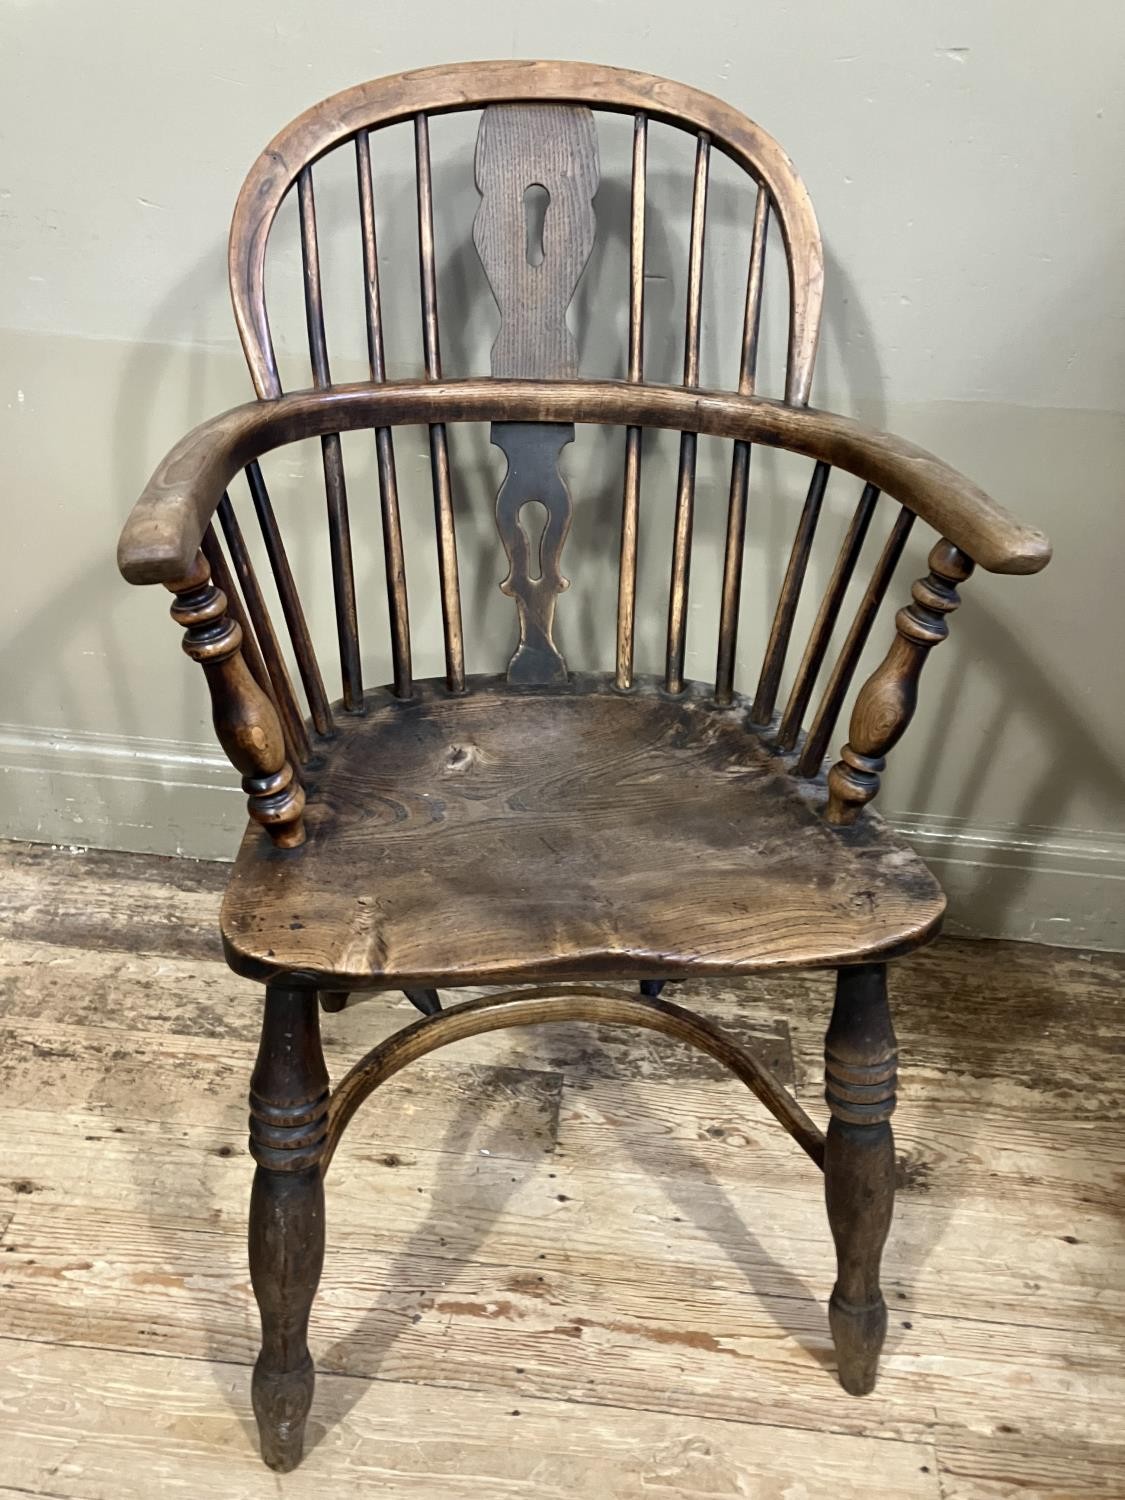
x=246 y=722
x=886 y=702
x=166 y=525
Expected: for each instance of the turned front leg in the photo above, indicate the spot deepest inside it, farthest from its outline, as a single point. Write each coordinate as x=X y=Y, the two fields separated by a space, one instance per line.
x=288 y=1121
x=246 y=722
x=859 y=1166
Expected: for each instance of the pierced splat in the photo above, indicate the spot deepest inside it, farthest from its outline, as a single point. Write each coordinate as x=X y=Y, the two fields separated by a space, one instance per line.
x=537 y=172
x=534 y=550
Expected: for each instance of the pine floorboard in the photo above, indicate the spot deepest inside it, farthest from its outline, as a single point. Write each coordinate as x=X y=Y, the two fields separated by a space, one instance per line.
x=562 y=1261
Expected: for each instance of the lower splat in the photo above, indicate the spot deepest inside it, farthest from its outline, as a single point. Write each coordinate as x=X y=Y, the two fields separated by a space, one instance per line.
x=534 y=578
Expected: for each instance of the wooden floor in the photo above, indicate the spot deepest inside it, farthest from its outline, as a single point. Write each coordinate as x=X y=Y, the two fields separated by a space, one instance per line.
x=574 y=1263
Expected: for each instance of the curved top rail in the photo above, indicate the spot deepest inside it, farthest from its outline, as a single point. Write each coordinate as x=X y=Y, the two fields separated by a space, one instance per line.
x=164 y=528
x=460 y=86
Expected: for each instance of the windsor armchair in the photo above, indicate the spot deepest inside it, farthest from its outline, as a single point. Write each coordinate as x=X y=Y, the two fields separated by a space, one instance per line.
x=552 y=830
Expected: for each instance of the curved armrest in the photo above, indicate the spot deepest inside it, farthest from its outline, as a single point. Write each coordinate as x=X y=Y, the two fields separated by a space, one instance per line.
x=160 y=538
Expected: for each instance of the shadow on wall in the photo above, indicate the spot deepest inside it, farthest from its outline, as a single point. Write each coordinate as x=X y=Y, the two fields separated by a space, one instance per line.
x=80 y=605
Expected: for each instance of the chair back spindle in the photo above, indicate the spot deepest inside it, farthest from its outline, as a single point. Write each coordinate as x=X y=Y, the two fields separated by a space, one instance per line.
x=821 y=634
x=740 y=462
x=685 y=483
x=449 y=578
x=299 y=635
x=631 y=496
x=339 y=530
x=777 y=646
x=397 y=607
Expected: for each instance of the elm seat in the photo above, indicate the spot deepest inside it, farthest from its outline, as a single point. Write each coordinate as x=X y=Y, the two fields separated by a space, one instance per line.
x=590 y=833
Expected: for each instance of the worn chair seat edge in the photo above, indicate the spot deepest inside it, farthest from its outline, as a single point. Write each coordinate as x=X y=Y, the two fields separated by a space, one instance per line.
x=609 y=965
x=165 y=527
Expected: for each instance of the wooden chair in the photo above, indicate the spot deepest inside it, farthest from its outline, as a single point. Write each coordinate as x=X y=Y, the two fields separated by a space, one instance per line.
x=548 y=830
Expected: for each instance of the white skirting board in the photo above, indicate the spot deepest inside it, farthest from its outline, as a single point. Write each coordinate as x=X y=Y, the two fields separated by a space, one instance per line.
x=90 y=791
x=1046 y=885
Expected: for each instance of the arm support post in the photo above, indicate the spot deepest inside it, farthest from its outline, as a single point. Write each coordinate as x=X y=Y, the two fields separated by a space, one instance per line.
x=888 y=698
x=245 y=720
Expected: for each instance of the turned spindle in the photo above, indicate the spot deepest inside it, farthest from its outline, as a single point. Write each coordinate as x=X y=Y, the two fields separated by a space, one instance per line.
x=888 y=698
x=245 y=720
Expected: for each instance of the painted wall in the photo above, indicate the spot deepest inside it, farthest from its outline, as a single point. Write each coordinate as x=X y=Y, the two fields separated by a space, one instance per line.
x=965 y=163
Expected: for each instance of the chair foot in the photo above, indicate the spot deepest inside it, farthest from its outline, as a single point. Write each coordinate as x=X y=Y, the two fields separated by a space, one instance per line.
x=281 y=1407
x=651 y=988
x=859 y=1166
x=333 y=1000
x=858 y=1334
x=424 y=1000
x=288 y=1125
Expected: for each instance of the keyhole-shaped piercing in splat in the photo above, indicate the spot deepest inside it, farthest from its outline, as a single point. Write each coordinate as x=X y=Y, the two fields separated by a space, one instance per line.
x=536 y=201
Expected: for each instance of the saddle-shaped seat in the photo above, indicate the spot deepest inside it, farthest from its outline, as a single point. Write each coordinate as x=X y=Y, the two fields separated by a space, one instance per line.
x=502 y=836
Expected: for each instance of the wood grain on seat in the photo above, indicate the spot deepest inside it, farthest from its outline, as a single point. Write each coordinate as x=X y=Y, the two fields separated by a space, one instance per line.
x=502 y=836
